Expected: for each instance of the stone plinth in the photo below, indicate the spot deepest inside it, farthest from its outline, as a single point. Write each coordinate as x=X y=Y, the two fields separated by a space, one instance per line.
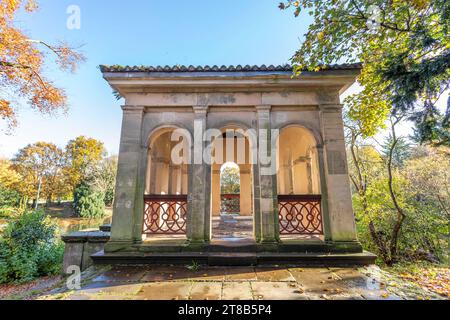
x=79 y=246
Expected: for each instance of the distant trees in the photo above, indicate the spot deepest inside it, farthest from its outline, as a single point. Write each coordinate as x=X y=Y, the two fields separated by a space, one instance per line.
x=230 y=180
x=9 y=179
x=83 y=155
x=401 y=196
x=41 y=167
x=88 y=202
x=44 y=171
x=102 y=177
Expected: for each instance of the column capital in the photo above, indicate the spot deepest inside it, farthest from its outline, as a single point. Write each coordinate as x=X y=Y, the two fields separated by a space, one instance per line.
x=200 y=110
x=132 y=108
x=331 y=107
x=263 y=107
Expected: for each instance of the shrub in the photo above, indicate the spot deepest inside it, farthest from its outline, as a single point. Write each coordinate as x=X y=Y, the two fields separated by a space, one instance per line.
x=88 y=203
x=8 y=212
x=8 y=197
x=30 y=248
x=109 y=197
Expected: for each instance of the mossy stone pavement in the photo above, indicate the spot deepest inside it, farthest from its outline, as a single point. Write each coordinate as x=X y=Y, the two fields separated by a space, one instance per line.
x=238 y=283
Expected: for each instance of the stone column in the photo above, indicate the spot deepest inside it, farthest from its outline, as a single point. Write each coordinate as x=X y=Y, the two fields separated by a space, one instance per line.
x=266 y=192
x=199 y=212
x=128 y=202
x=324 y=193
x=341 y=219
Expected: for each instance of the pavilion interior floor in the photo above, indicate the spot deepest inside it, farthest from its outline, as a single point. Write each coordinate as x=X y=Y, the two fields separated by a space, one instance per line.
x=233 y=229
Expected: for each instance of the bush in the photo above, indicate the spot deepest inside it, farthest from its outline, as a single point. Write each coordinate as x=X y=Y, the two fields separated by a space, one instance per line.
x=88 y=203
x=8 y=212
x=30 y=248
x=109 y=197
x=9 y=198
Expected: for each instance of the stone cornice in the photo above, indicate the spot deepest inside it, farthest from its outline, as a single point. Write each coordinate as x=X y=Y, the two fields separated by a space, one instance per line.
x=204 y=82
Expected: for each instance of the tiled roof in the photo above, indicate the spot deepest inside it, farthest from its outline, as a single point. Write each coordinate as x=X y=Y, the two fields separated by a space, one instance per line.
x=238 y=68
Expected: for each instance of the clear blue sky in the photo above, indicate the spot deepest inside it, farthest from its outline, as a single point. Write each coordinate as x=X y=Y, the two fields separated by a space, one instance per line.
x=146 y=32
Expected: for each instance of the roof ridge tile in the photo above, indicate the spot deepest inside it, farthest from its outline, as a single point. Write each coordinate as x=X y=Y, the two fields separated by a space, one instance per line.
x=215 y=68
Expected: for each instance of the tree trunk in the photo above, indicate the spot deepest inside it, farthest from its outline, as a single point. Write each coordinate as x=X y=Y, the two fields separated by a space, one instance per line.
x=393 y=248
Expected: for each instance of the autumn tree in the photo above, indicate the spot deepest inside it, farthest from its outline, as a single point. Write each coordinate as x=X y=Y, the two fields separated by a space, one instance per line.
x=400 y=195
x=365 y=165
x=230 y=180
x=83 y=154
x=9 y=180
x=41 y=167
x=102 y=178
x=22 y=60
x=404 y=48
x=428 y=174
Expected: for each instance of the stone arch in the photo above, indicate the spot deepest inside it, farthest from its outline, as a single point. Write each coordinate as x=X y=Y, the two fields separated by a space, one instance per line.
x=158 y=130
x=248 y=133
x=298 y=166
x=311 y=129
x=245 y=170
x=164 y=173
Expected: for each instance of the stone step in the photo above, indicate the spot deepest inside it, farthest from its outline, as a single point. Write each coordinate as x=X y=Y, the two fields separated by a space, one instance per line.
x=237 y=258
x=105 y=227
x=232 y=248
x=232 y=259
x=168 y=258
x=317 y=259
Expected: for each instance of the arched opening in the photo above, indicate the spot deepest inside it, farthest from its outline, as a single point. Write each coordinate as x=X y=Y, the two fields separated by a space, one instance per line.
x=231 y=186
x=298 y=184
x=166 y=188
x=230 y=189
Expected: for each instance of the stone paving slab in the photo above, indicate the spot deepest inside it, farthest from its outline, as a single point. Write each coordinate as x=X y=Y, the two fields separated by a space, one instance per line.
x=241 y=274
x=111 y=288
x=274 y=274
x=237 y=291
x=209 y=274
x=165 y=273
x=277 y=291
x=238 y=283
x=119 y=274
x=206 y=291
x=165 y=291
